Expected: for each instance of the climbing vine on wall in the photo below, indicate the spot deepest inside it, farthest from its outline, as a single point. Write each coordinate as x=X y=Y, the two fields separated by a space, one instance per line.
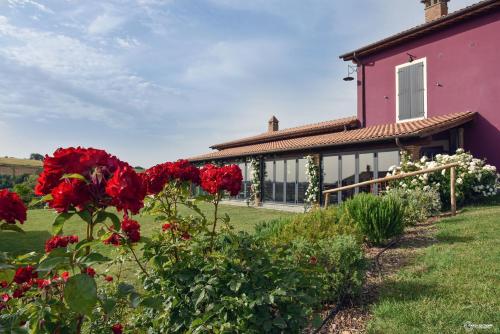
x=312 y=174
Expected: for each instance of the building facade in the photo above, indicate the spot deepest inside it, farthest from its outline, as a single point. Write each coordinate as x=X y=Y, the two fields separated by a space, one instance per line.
x=428 y=90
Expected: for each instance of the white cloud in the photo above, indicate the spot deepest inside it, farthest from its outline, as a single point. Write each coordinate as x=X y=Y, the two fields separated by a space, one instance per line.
x=104 y=24
x=35 y=4
x=59 y=76
x=127 y=42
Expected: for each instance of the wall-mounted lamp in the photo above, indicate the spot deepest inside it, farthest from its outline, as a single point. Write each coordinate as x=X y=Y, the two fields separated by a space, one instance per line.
x=411 y=57
x=350 y=71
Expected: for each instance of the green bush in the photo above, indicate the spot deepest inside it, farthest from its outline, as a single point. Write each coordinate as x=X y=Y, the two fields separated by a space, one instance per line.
x=313 y=226
x=378 y=218
x=418 y=204
x=241 y=287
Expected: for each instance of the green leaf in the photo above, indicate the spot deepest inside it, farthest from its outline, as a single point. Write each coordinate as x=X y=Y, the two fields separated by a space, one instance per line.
x=58 y=224
x=86 y=216
x=94 y=258
x=201 y=298
x=51 y=263
x=135 y=299
x=7 y=274
x=108 y=304
x=152 y=302
x=74 y=176
x=234 y=285
x=85 y=243
x=116 y=221
x=125 y=289
x=80 y=293
x=11 y=227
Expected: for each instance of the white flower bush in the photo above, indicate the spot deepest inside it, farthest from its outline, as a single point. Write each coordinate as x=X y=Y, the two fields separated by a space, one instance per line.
x=312 y=175
x=474 y=178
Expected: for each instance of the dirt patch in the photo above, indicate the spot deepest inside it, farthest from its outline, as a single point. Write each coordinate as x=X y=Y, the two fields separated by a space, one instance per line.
x=353 y=318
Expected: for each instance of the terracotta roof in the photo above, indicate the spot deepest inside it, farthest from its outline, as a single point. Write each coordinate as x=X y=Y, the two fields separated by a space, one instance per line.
x=458 y=16
x=375 y=133
x=300 y=131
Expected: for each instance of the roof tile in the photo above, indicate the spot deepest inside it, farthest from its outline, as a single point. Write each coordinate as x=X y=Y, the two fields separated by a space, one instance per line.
x=373 y=133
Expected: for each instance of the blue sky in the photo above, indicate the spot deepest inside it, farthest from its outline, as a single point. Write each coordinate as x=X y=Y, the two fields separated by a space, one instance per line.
x=157 y=80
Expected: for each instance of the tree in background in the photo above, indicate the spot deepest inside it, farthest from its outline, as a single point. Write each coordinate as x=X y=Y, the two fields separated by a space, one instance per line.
x=36 y=156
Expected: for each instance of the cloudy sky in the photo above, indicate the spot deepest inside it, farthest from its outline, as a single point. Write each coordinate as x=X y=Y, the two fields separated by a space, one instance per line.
x=157 y=80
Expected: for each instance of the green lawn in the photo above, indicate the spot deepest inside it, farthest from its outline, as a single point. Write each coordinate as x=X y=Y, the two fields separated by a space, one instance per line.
x=39 y=223
x=452 y=282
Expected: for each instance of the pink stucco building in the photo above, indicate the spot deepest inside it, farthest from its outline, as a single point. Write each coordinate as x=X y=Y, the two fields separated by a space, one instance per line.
x=458 y=55
x=427 y=90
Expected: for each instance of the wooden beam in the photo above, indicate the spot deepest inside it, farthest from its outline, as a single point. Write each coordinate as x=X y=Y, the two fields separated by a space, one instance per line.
x=398 y=177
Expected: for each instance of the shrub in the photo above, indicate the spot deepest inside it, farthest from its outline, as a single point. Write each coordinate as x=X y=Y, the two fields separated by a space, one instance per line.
x=313 y=226
x=475 y=179
x=378 y=218
x=242 y=286
x=339 y=264
x=418 y=204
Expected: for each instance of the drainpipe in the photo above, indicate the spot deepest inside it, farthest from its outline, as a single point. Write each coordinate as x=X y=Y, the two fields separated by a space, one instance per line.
x=363 y=90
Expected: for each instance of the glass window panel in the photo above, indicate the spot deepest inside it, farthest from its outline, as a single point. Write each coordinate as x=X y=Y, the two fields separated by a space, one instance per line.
x=279 y=181
x=268 y=180
x=302 y=181
x=386 y=160
x=366 y=170
x=331 y=176
x=348 y=174
x=291 y=176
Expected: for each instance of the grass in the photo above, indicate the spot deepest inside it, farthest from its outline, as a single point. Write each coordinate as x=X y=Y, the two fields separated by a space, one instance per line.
x=39 y=224
x=451 y=283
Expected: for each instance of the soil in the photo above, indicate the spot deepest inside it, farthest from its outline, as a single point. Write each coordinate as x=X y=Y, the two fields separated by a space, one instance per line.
x=353 y=318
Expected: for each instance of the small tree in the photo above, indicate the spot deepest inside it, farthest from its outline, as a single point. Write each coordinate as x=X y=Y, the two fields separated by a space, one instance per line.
x=36 y=156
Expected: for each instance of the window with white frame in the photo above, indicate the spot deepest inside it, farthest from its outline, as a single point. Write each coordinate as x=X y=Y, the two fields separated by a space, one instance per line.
x=411 y=90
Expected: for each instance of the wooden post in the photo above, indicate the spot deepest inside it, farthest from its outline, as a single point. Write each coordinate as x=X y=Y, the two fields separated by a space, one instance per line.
x=453 y=198
x=327 y=199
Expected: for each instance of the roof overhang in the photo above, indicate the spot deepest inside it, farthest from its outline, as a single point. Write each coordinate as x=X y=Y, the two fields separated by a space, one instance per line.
x=378 y=133
x=483 y=7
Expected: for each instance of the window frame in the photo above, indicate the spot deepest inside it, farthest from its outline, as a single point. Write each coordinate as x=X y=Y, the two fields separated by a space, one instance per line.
x=398 y=67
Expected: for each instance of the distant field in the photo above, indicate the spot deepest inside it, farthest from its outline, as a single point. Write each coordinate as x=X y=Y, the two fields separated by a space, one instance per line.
x=20 y=162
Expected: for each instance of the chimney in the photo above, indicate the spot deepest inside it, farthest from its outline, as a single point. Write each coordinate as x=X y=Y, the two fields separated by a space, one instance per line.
x=273 y=124
x=435 y=9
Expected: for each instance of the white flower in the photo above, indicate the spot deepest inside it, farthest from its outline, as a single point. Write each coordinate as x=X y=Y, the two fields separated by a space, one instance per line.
x=459 y=181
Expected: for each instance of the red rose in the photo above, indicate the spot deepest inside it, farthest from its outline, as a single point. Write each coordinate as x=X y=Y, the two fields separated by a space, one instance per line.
x=131 y=229
x=109 y=278
x=42 y=283
x=90 y=271
x=155 y=178
x=117 y=328
x=313 y=260
x=18 y=293
x=24 y=274
x=217 y=179
x=184 y=171
x=126 y=189
x=4 y=284
x=166 y=227
x=114 y=239
x=65 y=276
x=12 y=207
x=185 y=236
x=5 y=297
x=68 y=194
x=59 y=241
